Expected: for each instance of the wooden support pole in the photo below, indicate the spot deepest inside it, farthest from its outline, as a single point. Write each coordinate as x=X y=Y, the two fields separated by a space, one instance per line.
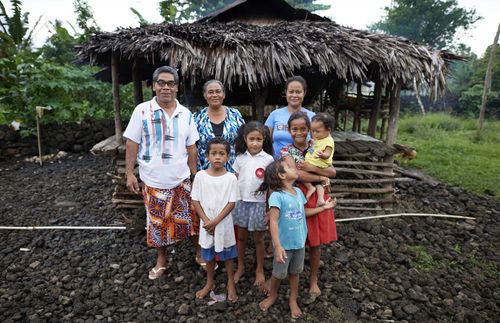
x=116 y=96
x=260 y=96
x=337 y=92
x=136 y=79
x=392 y=127
x=356 y=122
x=383 y=125
x=372 y=125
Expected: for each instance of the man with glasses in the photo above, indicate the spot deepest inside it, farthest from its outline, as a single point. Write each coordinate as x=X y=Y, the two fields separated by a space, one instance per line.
x=161 y=136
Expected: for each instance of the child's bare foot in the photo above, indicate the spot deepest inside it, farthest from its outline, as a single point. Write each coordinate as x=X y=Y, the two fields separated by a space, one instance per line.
x=310 y=192
x=294 y=309
x=232 y=295
x=204 y=291
x=314 y=289
x=260 y=279
x=314 y=293
x=268 y=302
x=266 y=287
x=238 y=274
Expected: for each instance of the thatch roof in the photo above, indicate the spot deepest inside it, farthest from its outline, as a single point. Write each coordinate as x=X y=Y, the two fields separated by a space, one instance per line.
x=240 y=54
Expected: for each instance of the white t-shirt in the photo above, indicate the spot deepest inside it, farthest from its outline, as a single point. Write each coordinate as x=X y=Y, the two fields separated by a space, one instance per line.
x=250 y=171
x=213 y=193
x=162 y=140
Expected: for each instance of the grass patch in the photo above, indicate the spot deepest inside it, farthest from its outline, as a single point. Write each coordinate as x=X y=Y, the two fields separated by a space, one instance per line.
x=424 y=260
x=486 y=266
x=447 y=150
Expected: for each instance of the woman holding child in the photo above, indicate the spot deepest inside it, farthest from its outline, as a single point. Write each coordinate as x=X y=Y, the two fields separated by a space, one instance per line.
x=290 y=127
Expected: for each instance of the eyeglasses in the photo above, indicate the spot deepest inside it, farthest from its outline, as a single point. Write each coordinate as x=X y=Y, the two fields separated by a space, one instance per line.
x=170 y=84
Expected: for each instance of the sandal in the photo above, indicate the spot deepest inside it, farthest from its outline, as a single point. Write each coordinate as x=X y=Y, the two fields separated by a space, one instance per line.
x=156 y=273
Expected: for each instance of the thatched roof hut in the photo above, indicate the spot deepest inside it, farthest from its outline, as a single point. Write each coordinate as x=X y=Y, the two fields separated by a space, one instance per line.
x=253 y=61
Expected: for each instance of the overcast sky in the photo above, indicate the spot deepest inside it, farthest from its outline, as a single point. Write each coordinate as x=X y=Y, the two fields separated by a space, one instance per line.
x=358 y=14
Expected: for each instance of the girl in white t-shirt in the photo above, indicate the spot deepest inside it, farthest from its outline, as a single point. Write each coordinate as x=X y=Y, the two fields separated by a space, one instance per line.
x=254 y=149
x=214 y=194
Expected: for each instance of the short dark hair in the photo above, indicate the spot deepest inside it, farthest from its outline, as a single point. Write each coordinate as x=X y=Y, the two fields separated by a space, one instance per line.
x=218 y=141
x=296 y=78
x=327 y=120
x=299 y=115
x=166 y=69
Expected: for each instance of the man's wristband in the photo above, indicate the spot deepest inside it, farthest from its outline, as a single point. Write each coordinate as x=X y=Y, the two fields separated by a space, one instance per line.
x=191 y=177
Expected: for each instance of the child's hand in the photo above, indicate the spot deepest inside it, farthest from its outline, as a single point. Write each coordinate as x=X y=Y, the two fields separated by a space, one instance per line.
x=210 y=226
x=321 y=154
x=303 y=165
x=280 y=255
x=330 y=204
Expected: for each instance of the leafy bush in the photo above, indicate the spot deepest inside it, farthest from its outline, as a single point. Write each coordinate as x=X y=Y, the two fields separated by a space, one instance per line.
x=470 y=100
x=71 y=91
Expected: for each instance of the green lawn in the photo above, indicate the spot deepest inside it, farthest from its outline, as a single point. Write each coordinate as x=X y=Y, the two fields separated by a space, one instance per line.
x=447 y=150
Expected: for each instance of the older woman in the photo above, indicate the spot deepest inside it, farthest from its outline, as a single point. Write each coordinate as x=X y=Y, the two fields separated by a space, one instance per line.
x=277 y=121
x=216 y=120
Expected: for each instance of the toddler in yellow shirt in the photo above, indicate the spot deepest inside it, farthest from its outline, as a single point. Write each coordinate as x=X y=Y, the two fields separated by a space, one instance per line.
x=321 y=154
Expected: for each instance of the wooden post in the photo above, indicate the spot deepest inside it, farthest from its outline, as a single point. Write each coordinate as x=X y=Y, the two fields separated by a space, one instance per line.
x=116 y=96
x=259 y=101
x=356 y=122
x=337 y=91
x=392 y=127
x=372 y=125
x=136 y=79
x=388 y=94
x=487 y=83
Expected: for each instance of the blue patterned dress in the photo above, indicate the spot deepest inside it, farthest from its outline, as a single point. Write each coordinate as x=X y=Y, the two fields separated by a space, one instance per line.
x=232 y=123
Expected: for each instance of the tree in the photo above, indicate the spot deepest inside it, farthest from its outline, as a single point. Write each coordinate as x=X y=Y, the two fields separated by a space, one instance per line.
x=59 y=47
x=85 y=19
x=14 y=33
x=430 y=22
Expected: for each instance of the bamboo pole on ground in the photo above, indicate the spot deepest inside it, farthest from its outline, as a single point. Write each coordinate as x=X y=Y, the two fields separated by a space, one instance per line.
x=487 y=84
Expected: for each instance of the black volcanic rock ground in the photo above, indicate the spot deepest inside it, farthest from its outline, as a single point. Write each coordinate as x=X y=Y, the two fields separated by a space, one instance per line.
x=399 y=269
